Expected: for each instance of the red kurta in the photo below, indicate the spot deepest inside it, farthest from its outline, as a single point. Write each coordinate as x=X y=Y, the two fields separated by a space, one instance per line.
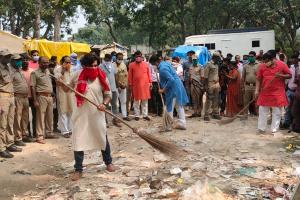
x=272 y=95
x=139 y=78
x=233 y=93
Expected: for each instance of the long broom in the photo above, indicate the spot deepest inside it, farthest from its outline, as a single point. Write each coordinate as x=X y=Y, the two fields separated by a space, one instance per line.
x=167 y=118
x=228 y=121
x=159 y=144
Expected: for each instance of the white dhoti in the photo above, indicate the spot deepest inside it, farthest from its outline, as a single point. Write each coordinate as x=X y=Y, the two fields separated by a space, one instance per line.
x=65 y=123
x=181 y=113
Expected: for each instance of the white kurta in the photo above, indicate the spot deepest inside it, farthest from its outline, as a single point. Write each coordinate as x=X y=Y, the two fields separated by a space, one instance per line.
x=89 y=126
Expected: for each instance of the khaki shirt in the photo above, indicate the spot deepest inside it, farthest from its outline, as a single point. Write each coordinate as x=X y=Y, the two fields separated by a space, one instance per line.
x=122 y=75
x=20 y=83
x=249 y=72
x=211 y=72
x=41 y=81
x=196 y=73
x=6 y=81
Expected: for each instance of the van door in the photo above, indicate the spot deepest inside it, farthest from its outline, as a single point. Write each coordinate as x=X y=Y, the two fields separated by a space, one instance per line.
x=225 y=46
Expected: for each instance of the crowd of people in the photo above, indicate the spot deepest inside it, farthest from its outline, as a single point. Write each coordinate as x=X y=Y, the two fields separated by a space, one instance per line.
x=36 y=99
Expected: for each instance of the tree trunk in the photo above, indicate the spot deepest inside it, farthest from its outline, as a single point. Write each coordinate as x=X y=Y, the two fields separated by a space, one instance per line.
x=48 y=29
x=111 y=31
x=12 y=21
x=37 y=22
x=57 y=24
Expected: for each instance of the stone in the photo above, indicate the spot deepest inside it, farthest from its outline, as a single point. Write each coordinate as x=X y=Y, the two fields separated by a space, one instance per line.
x=160 y=158
x=175 y=171
x=155 y=184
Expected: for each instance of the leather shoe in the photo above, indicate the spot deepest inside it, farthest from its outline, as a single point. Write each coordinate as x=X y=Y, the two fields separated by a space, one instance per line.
x=112 y=168
x=137 y=118
x=76 y=176
x=27 y=139
x=206 y=118
x=146 y=118
x=14 y=148
x=6 y=154
x=41 y=141
x=52 y=137
x=20 y=143
x=127 y=119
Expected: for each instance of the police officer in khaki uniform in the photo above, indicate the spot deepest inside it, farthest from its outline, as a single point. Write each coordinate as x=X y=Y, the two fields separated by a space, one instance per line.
x=211 y=78
x=249 y=79
x=197 y=87
x=41 y=87
x=21 y=91
x=7 y=107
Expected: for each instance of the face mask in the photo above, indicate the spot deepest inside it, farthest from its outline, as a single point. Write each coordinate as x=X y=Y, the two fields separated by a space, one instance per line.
x=19 y=64
x=36 y=58
x=91 y=72
x=119 y=61
x=114 y=58
x=138 y=59
x=195 y=62
x=251 y=59
x=68 y=66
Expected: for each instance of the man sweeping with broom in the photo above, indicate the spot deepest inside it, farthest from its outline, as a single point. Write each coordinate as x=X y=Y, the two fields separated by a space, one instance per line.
x=89 y=126
x=173 y=89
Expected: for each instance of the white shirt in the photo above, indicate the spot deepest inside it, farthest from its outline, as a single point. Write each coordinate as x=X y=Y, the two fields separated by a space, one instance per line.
x=291 y=81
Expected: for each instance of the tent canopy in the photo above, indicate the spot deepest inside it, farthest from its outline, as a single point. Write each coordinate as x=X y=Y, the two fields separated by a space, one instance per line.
x=202 y=53
x=11 y=42
x=59 y=49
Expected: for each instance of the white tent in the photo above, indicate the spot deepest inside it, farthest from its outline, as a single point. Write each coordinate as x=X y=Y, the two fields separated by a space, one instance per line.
x=11 y=42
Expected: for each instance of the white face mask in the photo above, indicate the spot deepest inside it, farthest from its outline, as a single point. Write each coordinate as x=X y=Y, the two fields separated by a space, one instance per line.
x=119 y=61
x=36 y=58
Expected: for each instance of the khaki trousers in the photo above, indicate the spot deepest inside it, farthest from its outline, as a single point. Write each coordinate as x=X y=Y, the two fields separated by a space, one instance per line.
x=7 y=111
x=248 y=95
x=21 y=118
x=197 y=98
x=44 y=117
x=212 y=101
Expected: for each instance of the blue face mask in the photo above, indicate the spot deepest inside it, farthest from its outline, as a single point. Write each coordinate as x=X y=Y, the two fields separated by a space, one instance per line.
x=19 y=63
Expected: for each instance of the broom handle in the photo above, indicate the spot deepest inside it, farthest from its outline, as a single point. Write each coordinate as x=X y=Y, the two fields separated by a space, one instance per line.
x=254 y=99
x=161 y=96
x=92 y=102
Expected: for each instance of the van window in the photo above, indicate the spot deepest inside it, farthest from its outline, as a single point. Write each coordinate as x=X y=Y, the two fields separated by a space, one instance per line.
x=198 y=44
x=255 y=43
x=210 y=46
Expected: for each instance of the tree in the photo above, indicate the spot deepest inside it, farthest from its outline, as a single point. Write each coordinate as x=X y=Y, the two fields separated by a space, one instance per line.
x=37 y=21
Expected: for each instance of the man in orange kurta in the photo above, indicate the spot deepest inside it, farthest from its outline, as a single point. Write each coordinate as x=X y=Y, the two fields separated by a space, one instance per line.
x=139 y=80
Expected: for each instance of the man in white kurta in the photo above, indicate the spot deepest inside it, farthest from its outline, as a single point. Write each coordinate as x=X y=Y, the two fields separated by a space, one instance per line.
x=89 y=125
x=65 y=99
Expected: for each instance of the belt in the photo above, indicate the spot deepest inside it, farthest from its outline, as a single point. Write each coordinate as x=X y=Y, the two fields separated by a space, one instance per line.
x=21 y=95
x=251 y=84
x=45 y=94
x=6 y=94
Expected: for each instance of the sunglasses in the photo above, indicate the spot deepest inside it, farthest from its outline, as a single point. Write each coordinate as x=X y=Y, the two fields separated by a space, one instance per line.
x=67 y=62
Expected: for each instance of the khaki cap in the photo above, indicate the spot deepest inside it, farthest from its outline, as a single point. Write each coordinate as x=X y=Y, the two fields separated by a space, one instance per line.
x=15 y=56
x=5 y=52
x=216 y=54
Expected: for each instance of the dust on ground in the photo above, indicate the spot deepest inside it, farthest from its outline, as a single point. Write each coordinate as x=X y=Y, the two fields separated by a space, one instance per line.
x=232 y=160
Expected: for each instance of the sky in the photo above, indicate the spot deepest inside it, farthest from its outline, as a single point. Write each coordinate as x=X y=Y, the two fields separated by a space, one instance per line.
x=78 y=22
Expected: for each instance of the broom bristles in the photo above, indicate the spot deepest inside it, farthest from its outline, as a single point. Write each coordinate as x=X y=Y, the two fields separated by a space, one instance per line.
x=162 y=145
x=226 y=121
x=167 y=120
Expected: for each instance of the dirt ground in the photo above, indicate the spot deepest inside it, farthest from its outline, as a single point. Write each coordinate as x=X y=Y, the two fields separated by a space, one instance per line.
x=234 y=161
